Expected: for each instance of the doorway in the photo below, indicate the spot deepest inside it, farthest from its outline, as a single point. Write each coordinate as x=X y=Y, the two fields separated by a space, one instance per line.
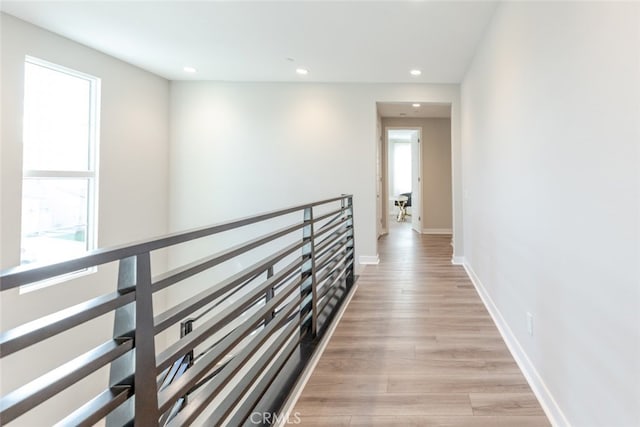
x=435 y=213
x=403 y=180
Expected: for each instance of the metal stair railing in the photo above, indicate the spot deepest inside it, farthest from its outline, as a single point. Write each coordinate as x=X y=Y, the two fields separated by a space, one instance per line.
x=243 y=339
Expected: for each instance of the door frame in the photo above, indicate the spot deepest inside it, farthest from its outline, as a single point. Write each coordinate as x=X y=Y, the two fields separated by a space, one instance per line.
x=384 y=201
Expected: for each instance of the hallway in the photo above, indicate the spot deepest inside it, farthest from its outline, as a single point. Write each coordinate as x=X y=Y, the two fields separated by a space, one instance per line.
x=416 y=347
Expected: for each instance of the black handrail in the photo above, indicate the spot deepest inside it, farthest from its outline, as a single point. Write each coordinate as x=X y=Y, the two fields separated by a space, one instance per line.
x=279 y=303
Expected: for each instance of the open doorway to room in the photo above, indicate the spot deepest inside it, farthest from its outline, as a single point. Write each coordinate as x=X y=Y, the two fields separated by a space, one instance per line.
x=403 y=177
x=431 y=210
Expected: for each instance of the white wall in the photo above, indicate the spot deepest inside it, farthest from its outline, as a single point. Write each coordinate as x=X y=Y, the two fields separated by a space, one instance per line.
x=242 y=148
x=437 y=191
x=133 y=193
x=552 y=183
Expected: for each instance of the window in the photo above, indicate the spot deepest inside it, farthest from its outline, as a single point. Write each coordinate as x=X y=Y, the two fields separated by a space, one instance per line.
x=401 y=167
x=60 y=132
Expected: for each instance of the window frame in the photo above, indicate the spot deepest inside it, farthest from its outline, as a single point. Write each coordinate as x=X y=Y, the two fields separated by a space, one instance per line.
x=91 y=174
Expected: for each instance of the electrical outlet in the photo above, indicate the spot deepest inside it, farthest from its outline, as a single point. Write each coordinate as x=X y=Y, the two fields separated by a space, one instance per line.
x=530 y=323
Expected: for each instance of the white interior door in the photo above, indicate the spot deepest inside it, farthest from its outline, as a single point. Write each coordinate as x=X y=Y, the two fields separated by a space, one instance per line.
x=416 y=182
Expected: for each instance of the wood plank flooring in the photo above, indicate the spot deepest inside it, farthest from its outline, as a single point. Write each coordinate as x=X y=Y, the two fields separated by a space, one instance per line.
x=416 y=347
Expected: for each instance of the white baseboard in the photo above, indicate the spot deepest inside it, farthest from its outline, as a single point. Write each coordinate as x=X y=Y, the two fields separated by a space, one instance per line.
x=457 y=260
x=437 y=231
x=291 y=401
x=369 y=259
x=537 y=384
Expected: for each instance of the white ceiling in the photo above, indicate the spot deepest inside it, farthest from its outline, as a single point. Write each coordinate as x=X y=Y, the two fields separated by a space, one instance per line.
x=406 y=109
x=344 y=41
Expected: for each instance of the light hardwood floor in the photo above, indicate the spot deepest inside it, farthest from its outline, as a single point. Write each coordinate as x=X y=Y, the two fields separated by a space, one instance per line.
x=416 y=347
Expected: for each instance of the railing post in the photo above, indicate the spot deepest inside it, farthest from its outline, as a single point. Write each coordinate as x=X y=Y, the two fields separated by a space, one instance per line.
x=348 y=206
x=268 y=296
x=121 y=371
x=309 y=270
x=137 y=368
x=186 y=328
x=146 y=390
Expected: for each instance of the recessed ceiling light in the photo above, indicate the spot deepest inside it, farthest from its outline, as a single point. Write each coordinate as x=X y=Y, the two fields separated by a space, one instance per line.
x=189 y=70
x=415 y=105
x=415 y=72
x=302 y=71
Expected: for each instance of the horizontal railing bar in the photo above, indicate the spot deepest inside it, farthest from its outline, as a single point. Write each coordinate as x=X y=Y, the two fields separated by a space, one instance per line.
x=185 y=308
x=208 y=377
x=258 y=327
x=233 y=292
x=307 y=296
x=332 y=227
x=53 y=382
x=208 y=349
x=325 y=201
x=294 y=315
x=322 y=292
x=332 y=297
x=97 y=408
x=336 y=229
x=184 y=272
x=336 y=256
x=339 y=240
x=187 y=343
x=306 y=287
x=330 y=256
x=341 y=274
x=340 y=234
x=217 y=364
x=306 y=331
x=329 y=279
x=330 y=305
x=328 y=287
x=221 y=365
x=249 y=378
x=250 y=401
x=327 y=299
x=208 y=393
x=162 y=376
x=192 y=376
x=25 y=274
x=226 y=296
x=177 y=369
x=38 y=330
x=284 y=281
x=164 y=419
x=168 y=374
x=336 y=214
x=330 y=251
x=348 y=261
x=336 y=273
